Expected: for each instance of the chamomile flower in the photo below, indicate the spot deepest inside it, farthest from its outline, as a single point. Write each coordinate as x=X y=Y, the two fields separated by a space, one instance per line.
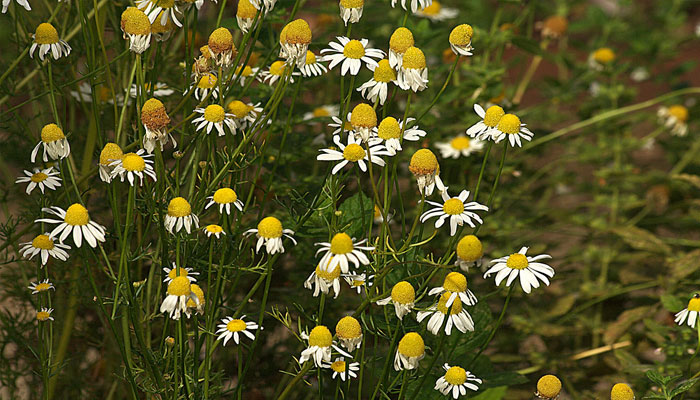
x=42 y=286
x=621 y=391
x=23 y=3
x=461 y=40
x=510 y=126
x=235 y=327
x=555 y=26
x=690 y=313
x=548 y=387
x=358 y=281
x=403 y=296
x=180 y=216
x=214 y=116
x=174 y=272
x=601 y=58
x=400 y=41
x=363 y=120
x=415 y=4
x=161 y=32
x=44 y=314
x=325 y=111
x=245 y=15
x=295 y=38
x=456 y=381
x=156 y=120
x=339 y=367
x=413 y=72
x=45 y=178
x=350 y=54
x=206 y=84
x=313 y=66
x=343 y=250
x=244 y=114
x=410 y=351
x=277 y=70
x=377 y=88
x=74 y=220
x=322 y=280
x=270 y=233
x=45 y=246
x=489 y=121
x=215 y=230
x=459 y=146
x=160 y=11
x=353 y=152
x=137 y=28
x=436 y=12
x=134 y=165
x=425 y=167
x=518 y=265
x=456 y=209
x=178 y=293
x=320 y=346
x=160 y=89
x=225 y=197
x=349 y=333
x=243 y=73
x=339 y=126
x=389 y=132
x=456 y=316
x=54 y=143
x=221 y=47
x=197 y=301
x=455 y=284
x=674 y=117
x=46 y=40
x=110 y=153
x=469 y=252
x=351 y=10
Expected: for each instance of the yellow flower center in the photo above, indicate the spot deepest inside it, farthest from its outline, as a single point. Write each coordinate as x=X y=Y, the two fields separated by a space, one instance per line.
x=456 y=376
x=246 y=10
x=341 y=244
x=277 y=68
x=348 y=328
x=320 y=111
x=469 y=248
x=213 y=228
x=179 y=286
x=510 y=124
x=423 y=162
x=549 y=386
x=453 y=206
x=364 y=116
x=354 y=49
x=461 y=35
x=389 y=129
x=517 y=261
x=604 y=55
x=353 y=152
x=320 y=336
x=338 y=366
x=357 y=283
x=39 y=177
x=236 y=325
x=247 y=71
x=403 y=293
x=693 y=304
x=270 y=228
x=207 y=81
x=412 y=345
x=352 y=3
x=166 y=3
x=621 y=391
x=328 y=275
x=45 y=34
x=157 y=27
x=76 y=215
x=413 y=58
x=225 y=196
x=455 y=282
x=109 y=153
x=220 y=41
x=153 y=114
x=135 y=22
x=310 y=57
x=43 y=242
x=42 y=315
x=133 y=162
x=401 y=40
x=455 y=308
x=42 y=287
x=179 y=207
x=460 y=143
x=197 y=291
x=51 y=133
x=377 y=211
x=214 y=113
x=175 y=272
x=296 y=32
x=493 y=116
x=555 y=25
x=383 y=72
x=678 y=111
x=432 y=9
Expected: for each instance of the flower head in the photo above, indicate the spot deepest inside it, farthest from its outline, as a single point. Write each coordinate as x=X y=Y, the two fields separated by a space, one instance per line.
x=44 y=314
x=352 y=152
x=376 y=89
x=45 y=178
x=54 y=143
x=459 y=146
x=351 y=54
x=351 y=10
x=520 y=265
x=233 y=328
x=469 y=251
x=178 y=294
x=156 y=120
x=137 y=28
x=342 y=369
x=349 y=333
x=674 y=117
x=601 y=58
x=225 y=198
x=42 y=286
x=456 y=209
x=621 y=391
x=132 y=166
x=110 y=153
x=295 y=38
x=45 y=246
x=180 y=216
x=46 y=40
x=74 y=220
x=425 y=167
x=690 y=313
x=270 y=233
x=410 y=351
x=221 y=47
x=323 y=279
x=403 y=296
x=320 y=346
x=555 y=26
x=437 y=12
x=548 y=387
x=456 y=381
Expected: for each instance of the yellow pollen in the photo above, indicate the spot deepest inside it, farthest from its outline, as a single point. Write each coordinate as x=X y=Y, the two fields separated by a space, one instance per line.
x=207 y=81
x=175 y=272
x=76 y=215
x=353 y=152
x=389 y=129
x=246 y=10
x=493 y=116
x=352 y=3
x=432 y=9
x=51 y=133
x=678 y=111
x=247 y=71
x=456 y=376
x=383 y=72
x=157 y=27
x=455 y=282
x=236 y=325
x=38 y=177
x=549 y=386
x=401 y=40
x=354 y=49
x=214 y=228
x=455 y=307
x=206 y=53
x=363 y=116
x=412 y=345
x=555 y=25
x=179 y=207
x=338 y=366
x=377 y=211
x=42 y=287
x=109 y=153
x=225 y=196
x=604 y=55
x=403 y=293
x=43 y=242
x=517 y=261
x=153 y=115
x=179 y=286
x=278 y=67
x=45 y=34
x=423 y=162
x=135 y=22
x=133 y=162
x=238 y=108
x=693 y=304
x=42 y=315
x=214 y=113
x=270 y=228
x=310 y=57
x=197 y=291
x=621 y=391
x=348 y=328
x=453 y=206
x=328 y=276
x=460 y=143
x=152 y=105
x=470 y=248
x=461 y=35
x=220 y=41
x=320 y=336
x=341 y=244
x=296 y=32
x=321 y=112
x=413 y=58
x=166 y=3
x=510 y=124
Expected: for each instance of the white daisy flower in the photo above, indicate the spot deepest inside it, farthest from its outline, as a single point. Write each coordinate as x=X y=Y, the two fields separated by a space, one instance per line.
x=275 y=72
x=45 y=246
x=456 y=209
x=196 y=301
x=469 y=252
x=42 y=286
x=207 y=83
x=340 y=126
x=425 y=167
x=389 y=132
x=175 y=302
x=510 y=126
x=44 y=314
x=415 y=4
x=352 y=152
x=215 y=230
x=601 y=58
x=320 y=346
x=489 y=121
x=461 y=40
x=313 y=66
x=690 y=313
x=110 y=153
x=399 y=42
x=351 y=10
x=243 y=73
x=221 y=47
x=349 y=333
x=339 y=367
x=180 y=215
x=363 y=120
x=160 y=89
x=225 y=197
x=674 y=117
x=526 y=268
x=295 y=38
x=233 y=328
x=163 y=10
x=325 y=111
x=413 y=71
x=134 y=165
x=455 y=284
x=358 y=281
x=403 y=296
x=456 y=381
x=77 y=221
x=270 y=233
x=136 y=27
x=322 y=281
x=155 y=120
x=45 y=178
x=214 y=116
x=456 y=316
x=459 y=146
x=436 y=12
x=244 y=115
x=343 y=250
x=23 y=3
x=351 y=53
x=174 y=272
x=46 y=40
x=377 y=88
x=54 y=144
x=410 y=351
x=246 y=14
